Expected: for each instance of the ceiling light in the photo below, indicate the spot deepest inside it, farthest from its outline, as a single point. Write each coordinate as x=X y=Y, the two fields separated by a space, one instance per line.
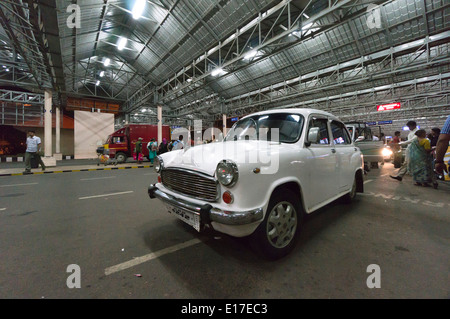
x=138 y=8
x=218 y=71
x=107 y=61
x=102 y=74
x=250 y=55
x=189 y=80
x=98 y=83
x=122 y=43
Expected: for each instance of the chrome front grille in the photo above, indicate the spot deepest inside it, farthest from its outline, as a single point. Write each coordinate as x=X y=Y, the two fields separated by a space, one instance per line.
x=190 y=183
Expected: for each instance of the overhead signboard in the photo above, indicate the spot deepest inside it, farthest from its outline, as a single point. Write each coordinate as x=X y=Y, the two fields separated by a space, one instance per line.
x=371 y=123
x=388 y=107
x=384 y=122
x=234 y=119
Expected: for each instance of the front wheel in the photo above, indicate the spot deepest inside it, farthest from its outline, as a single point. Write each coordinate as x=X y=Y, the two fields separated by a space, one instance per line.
x=121 y=157
x=275 y=237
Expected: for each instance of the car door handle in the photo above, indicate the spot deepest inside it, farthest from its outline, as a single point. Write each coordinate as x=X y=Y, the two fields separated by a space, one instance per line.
x=333 y=150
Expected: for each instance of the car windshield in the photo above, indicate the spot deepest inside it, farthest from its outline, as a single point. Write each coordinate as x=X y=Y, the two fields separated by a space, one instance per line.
x=282 y=127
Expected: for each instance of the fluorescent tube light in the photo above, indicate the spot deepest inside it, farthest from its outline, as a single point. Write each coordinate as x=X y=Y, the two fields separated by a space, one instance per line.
x=138 y=8
x=121 y=43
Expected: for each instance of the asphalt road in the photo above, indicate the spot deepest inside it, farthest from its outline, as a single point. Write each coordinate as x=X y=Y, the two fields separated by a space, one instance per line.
x=127 y=246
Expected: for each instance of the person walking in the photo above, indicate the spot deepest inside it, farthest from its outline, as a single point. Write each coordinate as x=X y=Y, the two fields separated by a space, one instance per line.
x=33 y=150
x=152 y=147
x=441 y=148
x=412 y=125
x=138 y=150
x=419 y=164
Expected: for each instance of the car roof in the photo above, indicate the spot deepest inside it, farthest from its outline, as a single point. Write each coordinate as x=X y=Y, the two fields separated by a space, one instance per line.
x=303 y=111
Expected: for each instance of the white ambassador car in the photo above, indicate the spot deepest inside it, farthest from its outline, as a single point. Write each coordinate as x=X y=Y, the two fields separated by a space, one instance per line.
x=272 y=168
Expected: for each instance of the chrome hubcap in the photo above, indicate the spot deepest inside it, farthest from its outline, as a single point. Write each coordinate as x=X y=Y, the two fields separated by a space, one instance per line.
x=281 y=225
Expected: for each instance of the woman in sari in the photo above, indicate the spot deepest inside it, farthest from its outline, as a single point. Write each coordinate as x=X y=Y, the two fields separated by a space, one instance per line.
x=420 y=160
x=152 y=147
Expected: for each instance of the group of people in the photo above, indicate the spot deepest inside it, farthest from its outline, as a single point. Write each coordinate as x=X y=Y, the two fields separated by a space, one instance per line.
x=424 y=154
x=155 y=150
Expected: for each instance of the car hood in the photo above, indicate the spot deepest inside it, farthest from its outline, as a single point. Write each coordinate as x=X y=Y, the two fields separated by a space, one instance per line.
x=205 y=157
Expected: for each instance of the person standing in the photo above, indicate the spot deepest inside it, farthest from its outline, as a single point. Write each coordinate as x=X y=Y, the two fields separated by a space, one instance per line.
x=396 y=141
x=441 y=148
x=163 y=146
x=435 y=132
x=419 y=164
x=412 y=125
x=152 y=147
x=179 y=144
x=33 y=150
x=396 y=149
x=138 y=150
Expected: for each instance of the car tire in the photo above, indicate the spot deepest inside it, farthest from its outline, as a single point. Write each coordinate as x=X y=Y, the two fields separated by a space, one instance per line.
x=121 y=157
x=276 y=236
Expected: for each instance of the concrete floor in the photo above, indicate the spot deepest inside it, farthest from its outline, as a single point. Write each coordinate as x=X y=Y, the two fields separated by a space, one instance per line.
x=51 y=221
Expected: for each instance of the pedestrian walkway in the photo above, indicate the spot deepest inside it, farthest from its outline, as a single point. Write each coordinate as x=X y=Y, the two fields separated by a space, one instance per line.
x=74 y=166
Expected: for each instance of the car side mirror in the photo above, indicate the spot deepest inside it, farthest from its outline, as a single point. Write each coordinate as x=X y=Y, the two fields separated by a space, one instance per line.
x=360 y=138
x=313 y=136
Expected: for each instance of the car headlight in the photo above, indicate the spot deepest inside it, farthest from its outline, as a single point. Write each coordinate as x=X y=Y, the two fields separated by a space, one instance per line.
x=158 y=164
x=386 y=152
x=227 y=173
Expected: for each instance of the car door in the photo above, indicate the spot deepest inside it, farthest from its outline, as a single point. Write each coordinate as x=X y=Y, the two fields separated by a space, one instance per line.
x=321 y=164
x=344 y=152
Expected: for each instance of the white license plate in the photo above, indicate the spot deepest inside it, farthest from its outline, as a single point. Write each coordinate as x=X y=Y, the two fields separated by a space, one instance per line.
x=186 y=216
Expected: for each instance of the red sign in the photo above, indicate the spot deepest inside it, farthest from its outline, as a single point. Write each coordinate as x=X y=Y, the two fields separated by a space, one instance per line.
x=388 y=107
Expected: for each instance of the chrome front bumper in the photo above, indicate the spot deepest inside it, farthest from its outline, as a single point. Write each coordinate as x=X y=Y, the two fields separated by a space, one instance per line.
x=207 y=212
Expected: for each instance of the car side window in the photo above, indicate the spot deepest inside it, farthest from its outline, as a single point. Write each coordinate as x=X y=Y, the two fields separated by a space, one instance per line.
x=368 y=134
x=323 y=129
x=340 y=134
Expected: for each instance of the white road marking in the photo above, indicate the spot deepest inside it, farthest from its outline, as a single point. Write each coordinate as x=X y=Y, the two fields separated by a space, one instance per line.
x=2 y=209
x=368 y=181
x=18 y=185
x=91 y=179
x=106 y=195
x=139 y=260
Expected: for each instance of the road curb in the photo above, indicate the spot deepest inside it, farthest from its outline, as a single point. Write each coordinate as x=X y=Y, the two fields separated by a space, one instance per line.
x=77 y=170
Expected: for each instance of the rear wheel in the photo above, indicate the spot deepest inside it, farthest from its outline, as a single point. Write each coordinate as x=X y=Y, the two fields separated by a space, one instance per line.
x=349 y=197
x=276 y=235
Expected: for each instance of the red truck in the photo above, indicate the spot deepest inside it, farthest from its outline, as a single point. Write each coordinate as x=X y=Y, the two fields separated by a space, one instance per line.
x=121 y=143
